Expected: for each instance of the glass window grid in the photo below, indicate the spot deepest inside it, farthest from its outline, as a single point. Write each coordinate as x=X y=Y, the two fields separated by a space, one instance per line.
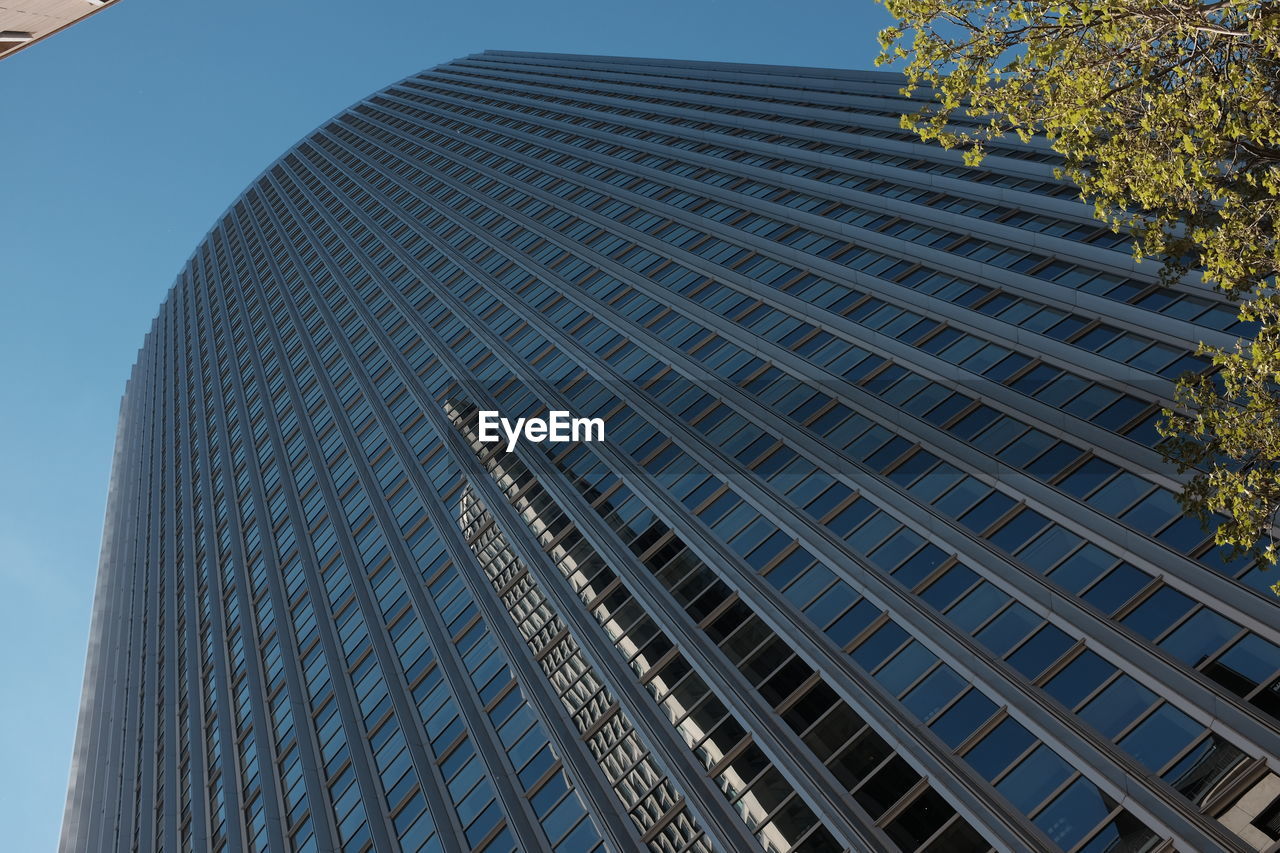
x=383 y=735
x=1184 y=525
x=1101 y=236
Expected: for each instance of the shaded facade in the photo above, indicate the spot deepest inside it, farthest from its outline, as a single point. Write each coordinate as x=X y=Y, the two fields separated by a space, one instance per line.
x=876 y=554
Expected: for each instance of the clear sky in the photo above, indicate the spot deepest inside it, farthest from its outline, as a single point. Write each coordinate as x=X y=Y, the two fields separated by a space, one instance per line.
x=122 y=139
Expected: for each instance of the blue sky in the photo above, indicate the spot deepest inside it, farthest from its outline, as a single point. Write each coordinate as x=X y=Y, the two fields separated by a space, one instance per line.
x=123 y=140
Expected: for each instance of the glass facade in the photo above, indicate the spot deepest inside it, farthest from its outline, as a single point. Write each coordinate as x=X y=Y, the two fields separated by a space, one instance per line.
x=876 y=554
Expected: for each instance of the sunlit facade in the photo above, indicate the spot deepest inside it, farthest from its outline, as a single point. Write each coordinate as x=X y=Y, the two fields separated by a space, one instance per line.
x=876 y=554
x=24 y=24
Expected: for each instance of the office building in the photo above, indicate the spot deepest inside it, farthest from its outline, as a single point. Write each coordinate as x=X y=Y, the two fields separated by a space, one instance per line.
x=876 y=553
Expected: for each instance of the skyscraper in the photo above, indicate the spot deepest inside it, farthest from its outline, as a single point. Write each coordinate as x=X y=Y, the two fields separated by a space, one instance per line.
x=875 y=554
